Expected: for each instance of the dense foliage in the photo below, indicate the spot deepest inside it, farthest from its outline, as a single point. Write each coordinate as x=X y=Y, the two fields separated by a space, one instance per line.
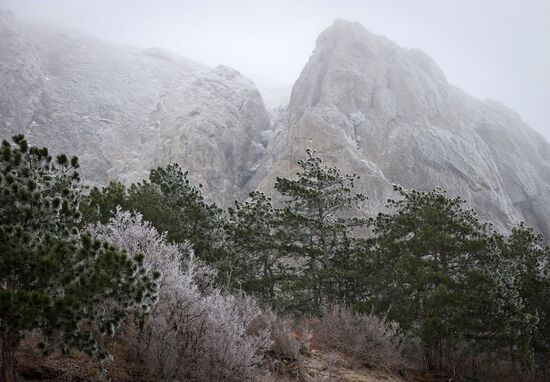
x=454 y=293
x=171 y=203
x=68 y=286
x=316 y=229
x=195 y=332
x=254 y=264
x=442 y=275
x=297 y=257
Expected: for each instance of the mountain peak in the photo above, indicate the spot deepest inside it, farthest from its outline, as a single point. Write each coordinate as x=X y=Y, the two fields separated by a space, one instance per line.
x=388 y=112
x=362 y=65
x=346 y=37
x=342 y=30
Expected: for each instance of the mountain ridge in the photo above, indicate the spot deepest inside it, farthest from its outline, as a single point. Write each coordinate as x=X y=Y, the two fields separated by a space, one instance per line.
x=364 y=103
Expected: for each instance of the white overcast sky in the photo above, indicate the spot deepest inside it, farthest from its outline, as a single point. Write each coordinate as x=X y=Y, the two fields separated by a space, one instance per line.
x=496 y=49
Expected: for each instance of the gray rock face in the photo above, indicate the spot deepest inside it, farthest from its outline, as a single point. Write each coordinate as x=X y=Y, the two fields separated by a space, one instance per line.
x=124 y=111
x=365 y=104
x=388 y=114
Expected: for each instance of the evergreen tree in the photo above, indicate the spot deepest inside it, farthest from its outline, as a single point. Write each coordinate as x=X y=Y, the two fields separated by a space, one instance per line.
x=529 y=260
x=316 y=231
x=68 y=286
x=174 y=205
x=254 y=263
x=424 y=249
x=171 y=203
x=492 y=317
x=99 y=205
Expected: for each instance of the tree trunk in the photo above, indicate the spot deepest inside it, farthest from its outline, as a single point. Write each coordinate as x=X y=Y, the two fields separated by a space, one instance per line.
x=474 y=368
x=8 y=347
x=429 y=357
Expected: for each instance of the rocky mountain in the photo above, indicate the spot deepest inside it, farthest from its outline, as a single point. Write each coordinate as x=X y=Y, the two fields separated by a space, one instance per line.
x=389 y=114
x=364 y=103
x=124 y=111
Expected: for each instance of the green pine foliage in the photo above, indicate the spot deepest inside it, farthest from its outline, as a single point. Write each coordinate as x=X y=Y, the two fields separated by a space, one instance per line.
x=66 y=285
x=171 y=203
x=194 y=219
x=316 y=232
x=446 y=278
x=98 y=205
x=529 y=273
x=254 y=263
x=423 y=250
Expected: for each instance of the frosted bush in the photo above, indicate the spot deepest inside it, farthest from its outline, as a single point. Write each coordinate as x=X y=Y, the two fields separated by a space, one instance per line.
x=368 y=338
x=195 y=332
x=284 y=344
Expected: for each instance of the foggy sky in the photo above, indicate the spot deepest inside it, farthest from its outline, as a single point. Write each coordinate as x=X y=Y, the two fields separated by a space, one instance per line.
x=497 y=49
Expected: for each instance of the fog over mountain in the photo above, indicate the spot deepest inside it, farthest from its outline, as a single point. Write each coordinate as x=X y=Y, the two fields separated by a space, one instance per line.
x=366 y=104
x=497 y=49
x=125 y=110
x=390 y=115
x=258 y=190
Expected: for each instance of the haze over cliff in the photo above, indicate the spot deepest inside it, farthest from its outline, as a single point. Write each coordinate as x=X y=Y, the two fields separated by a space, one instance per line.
x=125 y=110
x=389 y=114
x=364 y=103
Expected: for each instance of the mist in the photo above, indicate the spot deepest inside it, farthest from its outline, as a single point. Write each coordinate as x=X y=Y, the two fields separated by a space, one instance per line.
x=491 y=49
x=379 y=224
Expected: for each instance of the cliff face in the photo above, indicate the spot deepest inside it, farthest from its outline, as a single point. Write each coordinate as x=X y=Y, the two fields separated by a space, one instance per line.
x=364 y=103
x=124 y=110
x=389 y=114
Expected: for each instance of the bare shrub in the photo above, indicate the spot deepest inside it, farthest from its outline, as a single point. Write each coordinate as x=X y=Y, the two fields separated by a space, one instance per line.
x=283 y=355
x=284 y=344
x=368 y=338
x=195 y=332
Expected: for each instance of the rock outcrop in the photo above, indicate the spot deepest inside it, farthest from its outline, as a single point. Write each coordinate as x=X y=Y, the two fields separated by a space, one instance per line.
x=124 y=111
x=389 y=114
x=364 y=103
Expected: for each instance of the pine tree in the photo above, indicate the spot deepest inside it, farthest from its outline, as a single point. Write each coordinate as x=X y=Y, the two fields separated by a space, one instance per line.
x=54 y=280
x=99 y=205
x=317 y=231
x=424 y=249
x=529 y=263
x=174 y=205
x=253 y=263
x=171 y=203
